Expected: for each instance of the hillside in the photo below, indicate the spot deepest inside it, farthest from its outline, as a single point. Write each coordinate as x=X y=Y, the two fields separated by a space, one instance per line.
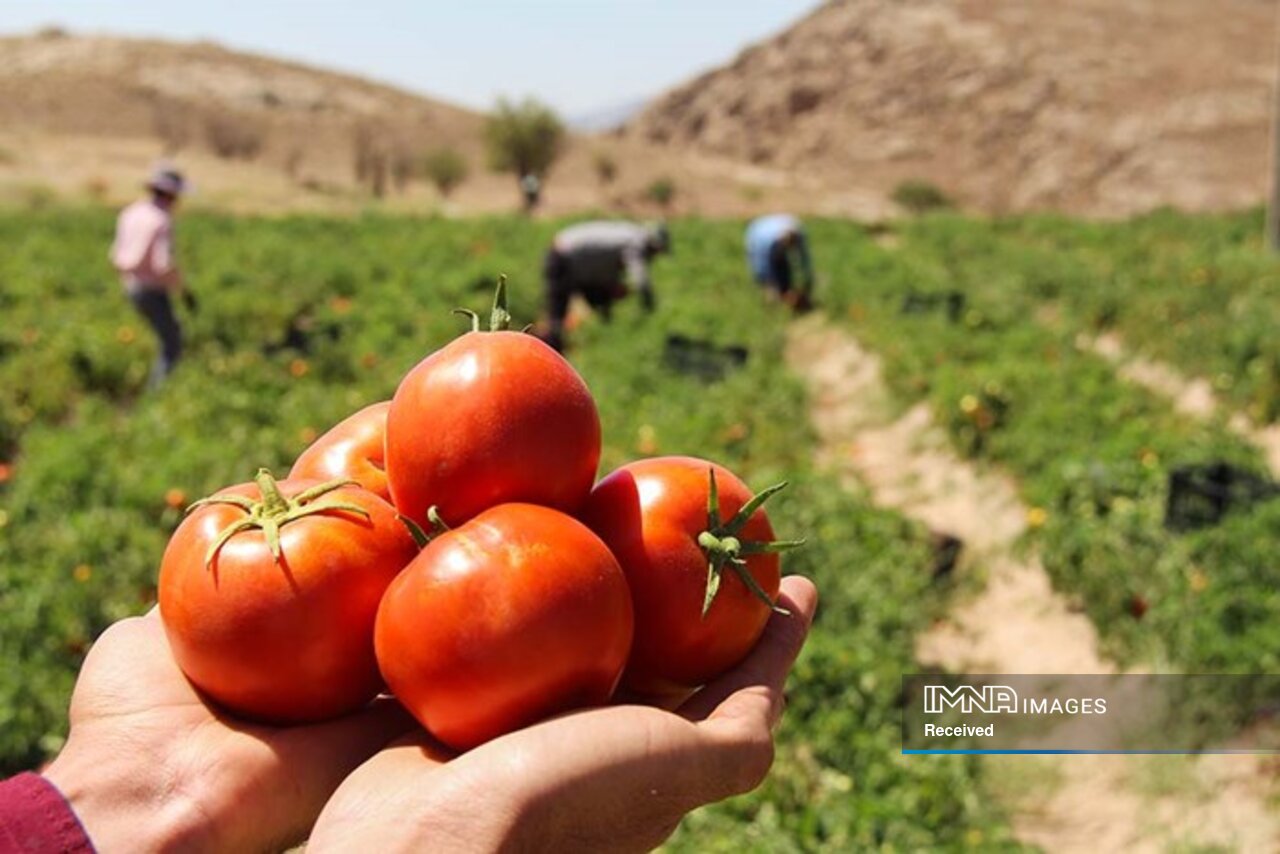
x=83 y=117
x=100 y=107
x=1102 y=107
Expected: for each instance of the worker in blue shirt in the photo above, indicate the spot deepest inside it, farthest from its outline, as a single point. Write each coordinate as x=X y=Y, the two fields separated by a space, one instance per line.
x=779 y=258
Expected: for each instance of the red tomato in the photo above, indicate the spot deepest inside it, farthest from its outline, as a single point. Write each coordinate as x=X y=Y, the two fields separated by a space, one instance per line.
x=284 y=637
x=354 y=448
x=491 y=418
x=692 y=622
x=519 y=614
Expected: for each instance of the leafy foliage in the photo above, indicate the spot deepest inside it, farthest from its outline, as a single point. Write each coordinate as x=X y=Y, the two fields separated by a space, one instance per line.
x=445 y=168
x=920 y=196
x=524 y=138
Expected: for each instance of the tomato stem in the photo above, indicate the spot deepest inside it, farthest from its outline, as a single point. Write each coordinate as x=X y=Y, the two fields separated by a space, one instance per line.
x=723 y=548
x=499 y=316
x=273 y=510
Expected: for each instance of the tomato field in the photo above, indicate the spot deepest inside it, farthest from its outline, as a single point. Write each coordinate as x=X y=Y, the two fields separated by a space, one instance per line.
x=304 y=320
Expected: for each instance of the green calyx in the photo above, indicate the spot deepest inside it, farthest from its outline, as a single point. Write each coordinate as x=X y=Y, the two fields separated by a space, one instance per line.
x=724 y=550
x=499 y=317
x=273 y=511
x=420 y=535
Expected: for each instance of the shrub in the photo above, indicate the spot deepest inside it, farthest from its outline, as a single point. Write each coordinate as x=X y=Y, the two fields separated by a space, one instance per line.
x=525 y=138
x=234 y=136
x=606 y=168
x=661 y=191
x=445 y=168
x=920 y=196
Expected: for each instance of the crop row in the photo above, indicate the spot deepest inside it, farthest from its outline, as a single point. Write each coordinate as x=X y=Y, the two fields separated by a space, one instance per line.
x=965 y=319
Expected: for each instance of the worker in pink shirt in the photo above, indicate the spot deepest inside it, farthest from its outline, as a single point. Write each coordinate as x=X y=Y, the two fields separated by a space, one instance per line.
x=143 y=253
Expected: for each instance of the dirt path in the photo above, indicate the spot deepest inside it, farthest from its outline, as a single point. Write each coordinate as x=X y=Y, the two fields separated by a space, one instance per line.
x=1016 y=624
x=1190 y=396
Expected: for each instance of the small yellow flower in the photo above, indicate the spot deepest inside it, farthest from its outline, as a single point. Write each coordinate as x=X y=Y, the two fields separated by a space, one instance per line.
x=82 y=573
x=126 y=334
x=1036 y=517
x=1150 y=459
x=299 y=367
x=647 y=439
x=1198 y=581
x=968 y=404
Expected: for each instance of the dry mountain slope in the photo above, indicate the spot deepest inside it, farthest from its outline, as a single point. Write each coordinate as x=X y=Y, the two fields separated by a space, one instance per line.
x=1103 y=107
x=111 y=86
x=90 y=114
x=86 y=116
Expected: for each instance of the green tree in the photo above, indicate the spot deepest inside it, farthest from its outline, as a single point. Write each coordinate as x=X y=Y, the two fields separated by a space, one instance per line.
x=524 y=138
x=606 y=168
x=446 y=168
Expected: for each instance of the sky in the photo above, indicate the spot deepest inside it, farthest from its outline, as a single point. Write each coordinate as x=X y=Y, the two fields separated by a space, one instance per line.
x=580 y=56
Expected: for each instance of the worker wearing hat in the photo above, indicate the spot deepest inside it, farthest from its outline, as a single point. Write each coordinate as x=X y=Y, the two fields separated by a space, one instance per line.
x=602 y=262
x=143 y=254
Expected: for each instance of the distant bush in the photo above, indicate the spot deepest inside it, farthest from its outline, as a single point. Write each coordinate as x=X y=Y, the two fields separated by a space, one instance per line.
x=172 y=124
x=606 y=168
x=97 y=189
x=292 y=163
x=369 y=159
x=662 y=191
x=234 y=136
x=525 y=138
x=445 y=168
x=920 y=196
x=402 y=165
x=37 y=197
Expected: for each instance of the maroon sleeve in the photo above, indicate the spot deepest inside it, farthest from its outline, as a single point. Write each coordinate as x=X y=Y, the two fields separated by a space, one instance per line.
x=36 y=819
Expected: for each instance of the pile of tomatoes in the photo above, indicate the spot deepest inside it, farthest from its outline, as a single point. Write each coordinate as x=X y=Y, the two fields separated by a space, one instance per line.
x=451 y=545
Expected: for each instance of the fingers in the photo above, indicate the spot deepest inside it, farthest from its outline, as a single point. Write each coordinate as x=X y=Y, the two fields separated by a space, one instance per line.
x=752 y=692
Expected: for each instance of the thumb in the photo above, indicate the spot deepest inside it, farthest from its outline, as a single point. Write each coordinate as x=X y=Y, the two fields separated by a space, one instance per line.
x=753 y=691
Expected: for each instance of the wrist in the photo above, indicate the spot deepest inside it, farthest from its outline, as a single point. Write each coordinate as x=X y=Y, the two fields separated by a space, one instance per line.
x=121 y=810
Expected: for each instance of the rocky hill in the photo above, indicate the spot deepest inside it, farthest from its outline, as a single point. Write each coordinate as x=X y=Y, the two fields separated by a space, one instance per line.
x=1104 y=107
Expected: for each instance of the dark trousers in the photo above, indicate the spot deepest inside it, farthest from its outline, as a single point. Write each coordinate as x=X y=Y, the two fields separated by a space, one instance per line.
x=779 y=268
x=560 y=288
x=157 y=308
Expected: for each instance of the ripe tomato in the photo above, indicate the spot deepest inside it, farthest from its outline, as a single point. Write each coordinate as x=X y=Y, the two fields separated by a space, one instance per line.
x=703 y=574
x=354 y=448
x=517 y=615
x=491 y=418
x=268 y=592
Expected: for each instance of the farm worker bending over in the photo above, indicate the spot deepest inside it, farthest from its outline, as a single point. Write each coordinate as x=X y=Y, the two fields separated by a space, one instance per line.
x=774 y=243
x=600 y=261
x=143 y=253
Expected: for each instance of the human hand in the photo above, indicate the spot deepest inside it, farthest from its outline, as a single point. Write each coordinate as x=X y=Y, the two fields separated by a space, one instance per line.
x=149 y=765
x=618 y=778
